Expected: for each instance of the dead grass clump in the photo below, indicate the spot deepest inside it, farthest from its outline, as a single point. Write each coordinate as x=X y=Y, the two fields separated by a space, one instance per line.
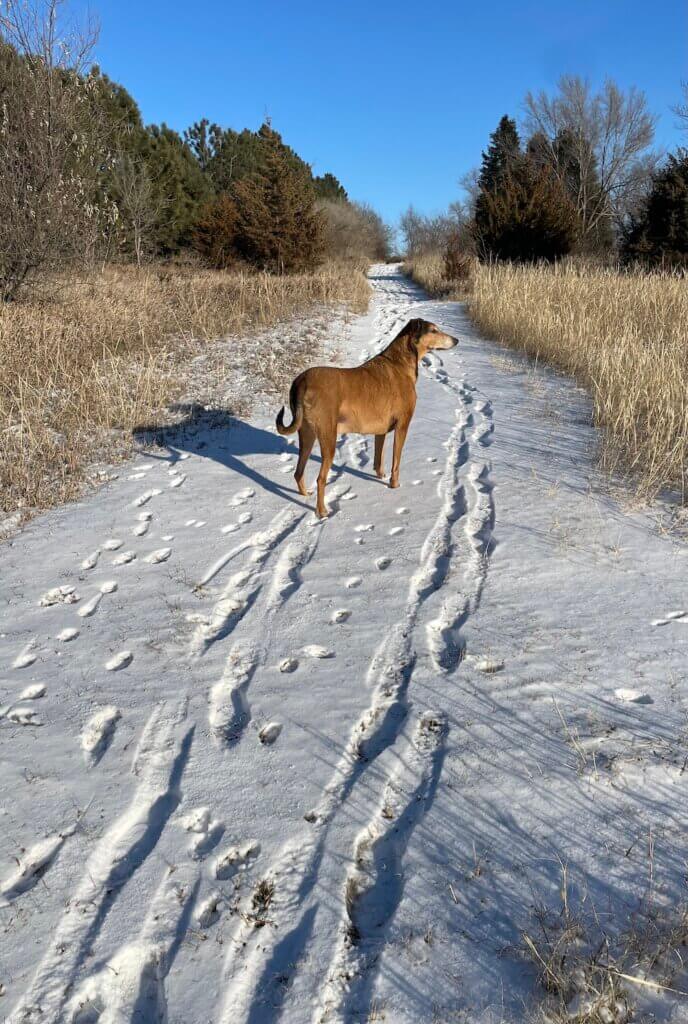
x=91 y=357
x=622 y=336
x=431 y=271
x=594 y=974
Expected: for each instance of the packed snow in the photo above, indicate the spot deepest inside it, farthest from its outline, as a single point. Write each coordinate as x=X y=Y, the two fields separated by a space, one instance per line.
x=258 y=767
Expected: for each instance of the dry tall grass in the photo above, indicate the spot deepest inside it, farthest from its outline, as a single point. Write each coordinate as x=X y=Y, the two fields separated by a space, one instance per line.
x=99 y=354
x=622 y=336
x=430 y=272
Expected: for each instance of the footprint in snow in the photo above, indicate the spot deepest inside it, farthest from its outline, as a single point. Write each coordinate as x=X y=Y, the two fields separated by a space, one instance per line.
x=235 y=859
x=113 y=544
x=395 y=531
x=199 y=523
x=119 y=661
x=383 y=563
x=241 y=497
x=177 y=480
x=144 y=498
x=190 y=522
x=67 y=634
x=317 y=651
x=23 y=716
x=34 y=692
x=26 y=657
x=208 y=912
x=677 y=616
x=364 y=527
x=91 y=561
x=633 y=696
x=141 y=529
x=160 y=555
x=489 y=665
x=245 y=517
x=431 y=458
x=349 y=496
x=59 y=595
x=353 y=581
x=229 y=528
x=91 y=606
x=124 y=558
x=437 y=472
x=289 y=665
x=269 y=733
x=97 y=734
x=341 y=615
x=402 y=510
x=416 y=483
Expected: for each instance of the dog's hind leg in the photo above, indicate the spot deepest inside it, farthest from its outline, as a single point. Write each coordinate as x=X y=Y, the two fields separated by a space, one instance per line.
x=306 y=442
x=379 y=455
x=328 y=443
x=400 y=432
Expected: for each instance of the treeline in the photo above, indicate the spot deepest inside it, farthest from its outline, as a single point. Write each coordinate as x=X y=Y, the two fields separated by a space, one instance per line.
x=580 y=178
x=82 y=177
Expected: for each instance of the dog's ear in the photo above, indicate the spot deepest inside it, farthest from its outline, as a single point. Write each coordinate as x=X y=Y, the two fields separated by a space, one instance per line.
x=414 y=330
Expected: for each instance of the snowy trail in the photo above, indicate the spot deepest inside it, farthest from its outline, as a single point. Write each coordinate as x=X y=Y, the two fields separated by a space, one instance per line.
x=259 y=768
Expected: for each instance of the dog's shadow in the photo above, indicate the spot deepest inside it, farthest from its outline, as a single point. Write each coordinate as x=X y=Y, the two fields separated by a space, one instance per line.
x=225 y=438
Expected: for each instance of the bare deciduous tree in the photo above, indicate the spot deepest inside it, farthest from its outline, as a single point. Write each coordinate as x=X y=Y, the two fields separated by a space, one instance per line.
x=50 y=151
x=423 y=234
x=608 y=133
x=139 y=204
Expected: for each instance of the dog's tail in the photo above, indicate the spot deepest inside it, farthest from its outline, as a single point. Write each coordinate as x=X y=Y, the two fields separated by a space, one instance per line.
x=296 y=406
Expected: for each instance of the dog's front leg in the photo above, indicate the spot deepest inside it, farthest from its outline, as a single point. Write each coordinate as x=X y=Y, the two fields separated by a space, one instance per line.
x=379 y=455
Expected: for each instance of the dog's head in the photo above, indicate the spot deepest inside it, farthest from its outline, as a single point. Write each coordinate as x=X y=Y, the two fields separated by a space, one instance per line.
x=423 y=335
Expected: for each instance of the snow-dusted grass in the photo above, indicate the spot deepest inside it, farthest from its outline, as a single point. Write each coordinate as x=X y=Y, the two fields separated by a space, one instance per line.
x=97 y=355
x=622 y=336
x=429 y=270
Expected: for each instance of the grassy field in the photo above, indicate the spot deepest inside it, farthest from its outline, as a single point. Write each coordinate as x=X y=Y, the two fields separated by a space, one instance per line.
x=623 y=336
x=98 y=354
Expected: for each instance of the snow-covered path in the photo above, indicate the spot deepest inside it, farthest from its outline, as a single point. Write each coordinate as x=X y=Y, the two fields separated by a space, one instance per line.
x=258 y=768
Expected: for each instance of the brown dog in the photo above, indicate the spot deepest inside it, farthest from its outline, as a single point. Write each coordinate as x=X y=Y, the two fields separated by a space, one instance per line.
x=375 y=398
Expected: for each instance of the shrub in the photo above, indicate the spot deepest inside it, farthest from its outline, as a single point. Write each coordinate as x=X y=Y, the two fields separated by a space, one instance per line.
x=659 y=236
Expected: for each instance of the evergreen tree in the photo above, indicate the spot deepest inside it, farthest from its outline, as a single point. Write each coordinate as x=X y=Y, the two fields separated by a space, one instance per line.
x=215 y=234
x=278 y=226
x=504 y=147
x=526 y=217
x=659 y=236
x=179 y=183
x=329 y=188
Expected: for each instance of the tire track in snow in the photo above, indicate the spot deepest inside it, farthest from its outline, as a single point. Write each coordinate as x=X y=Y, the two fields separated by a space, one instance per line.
x=471 y=553
x=296 y=870
x=159 y=762
x=375 y=881
x=131 y=985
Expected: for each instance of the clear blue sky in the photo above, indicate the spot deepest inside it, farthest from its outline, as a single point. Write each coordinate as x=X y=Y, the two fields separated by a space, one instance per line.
x=396 y=99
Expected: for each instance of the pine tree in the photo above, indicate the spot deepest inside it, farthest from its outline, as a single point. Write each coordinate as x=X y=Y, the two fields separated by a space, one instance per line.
x=504 y=147
x=278 y=226
x=659 y=236
x=527 y=217
x=328 y=187
x=215 y=234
